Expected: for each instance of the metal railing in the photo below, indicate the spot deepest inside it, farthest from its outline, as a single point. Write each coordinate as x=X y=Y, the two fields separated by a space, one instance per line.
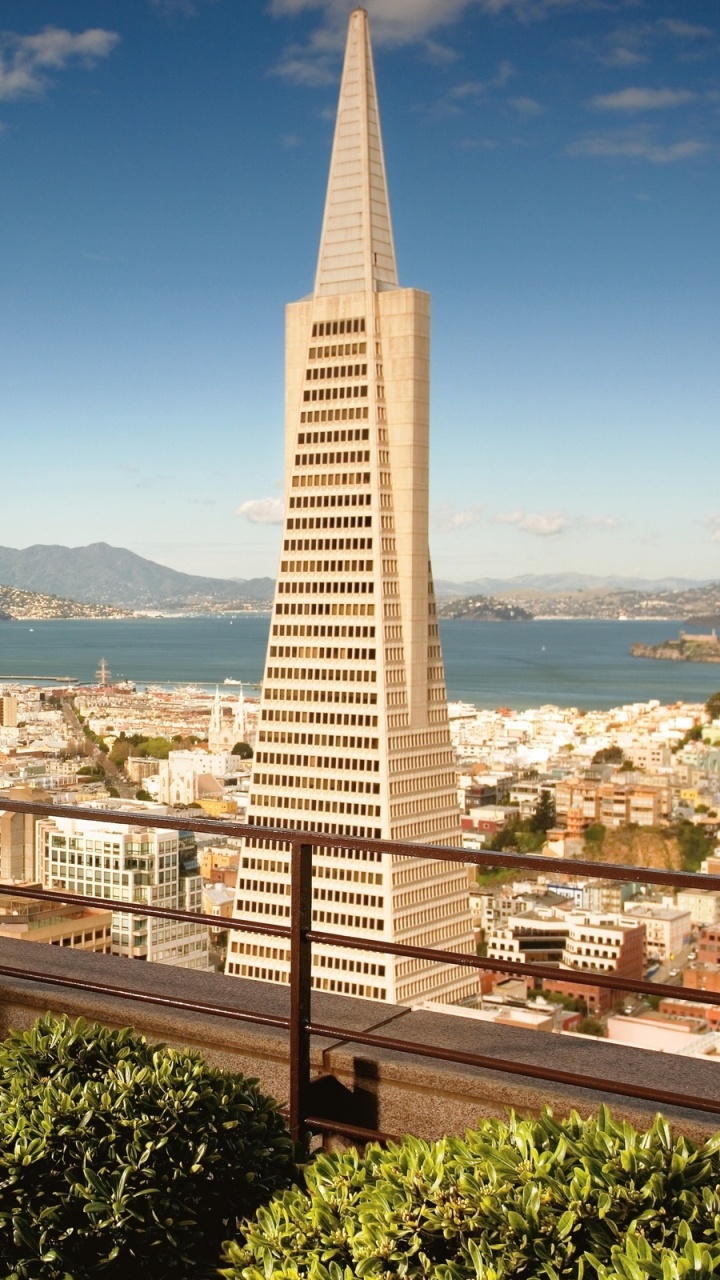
x=300 y=1024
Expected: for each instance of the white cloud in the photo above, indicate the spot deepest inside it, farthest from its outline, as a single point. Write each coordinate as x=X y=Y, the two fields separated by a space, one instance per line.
x=543 y=524
x=605 y=523
x=635 y=145
x=394 y=22
x=620 y=55
x=714 y=524
x=528 y=107
x=688 y=30
x=446 y=518
x=26 y=60
x=479 y=88
x=262 y=510
x=642 y=99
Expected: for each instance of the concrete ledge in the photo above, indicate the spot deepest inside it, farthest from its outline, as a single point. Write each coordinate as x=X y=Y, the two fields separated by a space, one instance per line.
x=384 y=1089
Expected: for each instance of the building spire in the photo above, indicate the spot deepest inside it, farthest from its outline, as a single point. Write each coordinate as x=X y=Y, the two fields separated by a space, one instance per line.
x=356 y=246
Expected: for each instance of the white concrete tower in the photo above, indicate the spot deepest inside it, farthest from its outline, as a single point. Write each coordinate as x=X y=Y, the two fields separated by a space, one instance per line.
x=353 y=734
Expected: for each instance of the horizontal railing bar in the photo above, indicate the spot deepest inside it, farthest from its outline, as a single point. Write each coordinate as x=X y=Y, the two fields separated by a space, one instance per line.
x=508 y=1067
x=141 y=909
x=488 y=858
x=585 y=977
x=350 y=1130
x=145 y=997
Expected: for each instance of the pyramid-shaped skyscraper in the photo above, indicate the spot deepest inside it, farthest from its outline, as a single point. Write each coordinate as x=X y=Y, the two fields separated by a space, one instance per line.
x=353 y=736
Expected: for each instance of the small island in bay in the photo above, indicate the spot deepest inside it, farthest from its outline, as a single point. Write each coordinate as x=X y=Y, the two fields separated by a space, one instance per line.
x=689 y=647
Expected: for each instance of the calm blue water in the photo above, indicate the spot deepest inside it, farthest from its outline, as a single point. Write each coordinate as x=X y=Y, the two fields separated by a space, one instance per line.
x=574 y=663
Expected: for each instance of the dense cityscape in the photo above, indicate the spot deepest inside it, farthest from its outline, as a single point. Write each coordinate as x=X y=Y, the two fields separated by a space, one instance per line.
x=637 y=785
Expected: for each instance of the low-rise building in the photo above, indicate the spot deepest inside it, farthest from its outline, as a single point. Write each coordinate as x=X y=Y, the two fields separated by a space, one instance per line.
x=55 y=923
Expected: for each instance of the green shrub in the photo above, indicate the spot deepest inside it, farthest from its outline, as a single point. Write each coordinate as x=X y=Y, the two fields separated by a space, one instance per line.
x=562 y=1200
x=124 y=1159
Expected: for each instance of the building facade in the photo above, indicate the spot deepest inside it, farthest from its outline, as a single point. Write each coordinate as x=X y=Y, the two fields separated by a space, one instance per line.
x=353 y=736
x=135 y=865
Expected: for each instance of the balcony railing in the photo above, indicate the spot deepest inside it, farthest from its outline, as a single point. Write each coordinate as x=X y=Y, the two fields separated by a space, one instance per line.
x=300 y=1024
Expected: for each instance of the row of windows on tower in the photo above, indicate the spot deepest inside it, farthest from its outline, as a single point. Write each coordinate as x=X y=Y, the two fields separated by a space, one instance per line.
x=358 y=392
x=331 y=500
x=347 y=412
x=326 y=566
x=330 y=522
x=344 y=675
x=314 y=805
x=287 y=715
x=333 y=437
x=322 y=629
x=306 y=587
x=331 y=459
x=350 y=763
x=330 y=544
x=317 y=783
x=320 y=372
x=321 y=651
x=293 y=738
x=318 y=609
x=330 y=328
x=346 y=829
x=338 y=349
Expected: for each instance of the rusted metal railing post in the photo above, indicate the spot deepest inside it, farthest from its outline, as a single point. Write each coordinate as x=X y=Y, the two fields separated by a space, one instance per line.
x=300 y=984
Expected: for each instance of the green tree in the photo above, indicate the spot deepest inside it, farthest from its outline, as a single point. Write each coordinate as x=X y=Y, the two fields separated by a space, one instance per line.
x=120 y=751
x=544 y=816
x=142 y=794
x=712 y=706
x=595 y=834
x=694 y=845
x=609 y=755
x=242 y=749
x=156 y=748
x=590 y=1027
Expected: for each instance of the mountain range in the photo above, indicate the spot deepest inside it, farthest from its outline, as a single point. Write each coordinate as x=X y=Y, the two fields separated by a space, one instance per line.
x=104 y=575
x=101 y=574
x=559 y=583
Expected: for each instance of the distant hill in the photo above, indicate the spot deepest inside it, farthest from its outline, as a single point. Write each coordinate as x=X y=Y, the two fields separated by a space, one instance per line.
x=16 y=603
x=101 y=574
x=559 y=583
x=483 y=609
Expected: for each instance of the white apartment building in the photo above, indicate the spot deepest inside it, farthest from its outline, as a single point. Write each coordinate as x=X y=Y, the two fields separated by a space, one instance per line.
x=648 y=754
x=703 y=905
x=132 y=864
x=667 y=929
x=574 y=939
x=353 y=737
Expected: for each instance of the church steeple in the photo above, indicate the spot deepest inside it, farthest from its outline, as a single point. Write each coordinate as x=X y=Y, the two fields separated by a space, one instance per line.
x=356 y=246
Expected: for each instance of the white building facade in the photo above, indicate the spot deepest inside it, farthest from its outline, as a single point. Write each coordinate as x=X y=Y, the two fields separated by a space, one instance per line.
x=131 y=864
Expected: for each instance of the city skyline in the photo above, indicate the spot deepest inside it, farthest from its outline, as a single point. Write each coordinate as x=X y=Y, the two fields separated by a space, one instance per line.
x=161 y=171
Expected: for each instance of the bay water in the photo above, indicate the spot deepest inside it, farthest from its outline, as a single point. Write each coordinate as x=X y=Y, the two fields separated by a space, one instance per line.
x=580 y=663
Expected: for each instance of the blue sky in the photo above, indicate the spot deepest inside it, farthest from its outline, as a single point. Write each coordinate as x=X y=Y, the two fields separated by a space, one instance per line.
x=553 y=169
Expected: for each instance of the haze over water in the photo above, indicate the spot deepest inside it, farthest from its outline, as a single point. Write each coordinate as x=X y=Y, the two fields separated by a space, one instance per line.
x=570 y=663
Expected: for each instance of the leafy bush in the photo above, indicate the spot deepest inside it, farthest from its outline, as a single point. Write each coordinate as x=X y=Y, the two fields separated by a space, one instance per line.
x=124 y=1159
x=562 y=1200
